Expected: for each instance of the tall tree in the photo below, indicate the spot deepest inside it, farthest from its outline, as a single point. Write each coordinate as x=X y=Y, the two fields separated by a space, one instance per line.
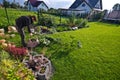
x=116 y=7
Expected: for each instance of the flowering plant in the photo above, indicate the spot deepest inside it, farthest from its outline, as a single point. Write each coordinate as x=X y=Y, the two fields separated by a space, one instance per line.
x=16 y=51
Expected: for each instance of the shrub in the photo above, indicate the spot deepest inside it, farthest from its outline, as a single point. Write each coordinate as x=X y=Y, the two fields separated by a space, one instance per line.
x=11 y=69
x=45 y=21
x=61 y=28
x=4 y=55
x=83 y=24
x=17 y=53
x=71 y=21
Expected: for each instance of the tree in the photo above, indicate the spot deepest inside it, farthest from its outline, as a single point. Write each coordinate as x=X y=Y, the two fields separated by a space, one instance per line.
x=6 y=4
x=116 y=7
x=52 y=11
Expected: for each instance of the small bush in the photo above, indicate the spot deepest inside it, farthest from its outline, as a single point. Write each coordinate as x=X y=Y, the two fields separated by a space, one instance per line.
x=84 y=24
x=45 y=21
x=61 y=28
x=11 y=69
x=17 y=53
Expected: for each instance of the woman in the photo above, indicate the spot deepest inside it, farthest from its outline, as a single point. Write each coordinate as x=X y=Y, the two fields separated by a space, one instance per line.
x=21 y=22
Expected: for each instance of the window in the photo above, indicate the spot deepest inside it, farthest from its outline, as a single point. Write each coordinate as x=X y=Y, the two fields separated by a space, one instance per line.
x=83 y=5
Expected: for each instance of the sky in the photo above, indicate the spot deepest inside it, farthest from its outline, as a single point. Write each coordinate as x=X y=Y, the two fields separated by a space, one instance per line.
x=107 y=4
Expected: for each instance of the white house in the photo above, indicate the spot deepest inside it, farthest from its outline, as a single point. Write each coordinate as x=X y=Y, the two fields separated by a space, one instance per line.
x=34 y=5
x=84 y=6
x=87 y=5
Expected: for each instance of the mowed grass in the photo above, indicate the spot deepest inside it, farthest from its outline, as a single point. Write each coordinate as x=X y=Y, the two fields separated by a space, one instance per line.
x=12 y=15
x=98 y=59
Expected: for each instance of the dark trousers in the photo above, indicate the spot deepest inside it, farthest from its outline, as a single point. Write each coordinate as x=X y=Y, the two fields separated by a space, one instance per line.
x=22 y=35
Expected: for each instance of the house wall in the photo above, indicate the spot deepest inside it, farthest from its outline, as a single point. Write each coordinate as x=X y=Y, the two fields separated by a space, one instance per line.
x=31 y=8
x=43 y=6
x=86 y=8
x=98 y=5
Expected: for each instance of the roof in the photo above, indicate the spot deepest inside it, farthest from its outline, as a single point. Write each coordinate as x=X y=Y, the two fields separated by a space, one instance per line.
x=36 y=3
x=91 y=3
x=76 y=4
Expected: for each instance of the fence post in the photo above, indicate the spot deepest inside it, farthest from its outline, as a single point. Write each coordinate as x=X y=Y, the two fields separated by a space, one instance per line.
x=60 y=17
x=38 y=17
x=6 y=11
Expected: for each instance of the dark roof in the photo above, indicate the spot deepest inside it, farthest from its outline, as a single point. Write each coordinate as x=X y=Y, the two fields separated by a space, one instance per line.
x=36 y=3
x=91 y=3
x=76 y=4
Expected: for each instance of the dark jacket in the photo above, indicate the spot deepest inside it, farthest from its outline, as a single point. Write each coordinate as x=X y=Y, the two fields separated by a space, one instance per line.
x=24 y=21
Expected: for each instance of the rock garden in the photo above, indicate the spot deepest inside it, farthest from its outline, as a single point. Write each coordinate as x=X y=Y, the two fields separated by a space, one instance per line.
x=38 y=63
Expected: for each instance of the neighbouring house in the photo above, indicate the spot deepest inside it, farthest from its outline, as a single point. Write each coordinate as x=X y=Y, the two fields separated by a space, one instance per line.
x=34 y=5
x=84 y=6
x=113 y=15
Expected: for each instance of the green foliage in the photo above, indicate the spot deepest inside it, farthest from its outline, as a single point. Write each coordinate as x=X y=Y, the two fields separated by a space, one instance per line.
x=116 y=7
x=71 y=21
x=97 y=16
x=45 y=20
x=83 y=23
x=62 y=28
x=6 y=3
x=4 y=55
x=11 y=69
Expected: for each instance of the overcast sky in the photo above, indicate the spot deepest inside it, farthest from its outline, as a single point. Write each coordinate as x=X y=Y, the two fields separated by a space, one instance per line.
x=107 y=4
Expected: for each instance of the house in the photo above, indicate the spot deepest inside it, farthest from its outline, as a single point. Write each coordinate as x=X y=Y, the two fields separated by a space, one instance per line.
x=113 y=15
x=84 y=7
x=34 y=5
x=87 y=5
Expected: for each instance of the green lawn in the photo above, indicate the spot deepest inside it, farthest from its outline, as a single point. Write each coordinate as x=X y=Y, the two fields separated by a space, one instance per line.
x=12 y=14
x=98 y=59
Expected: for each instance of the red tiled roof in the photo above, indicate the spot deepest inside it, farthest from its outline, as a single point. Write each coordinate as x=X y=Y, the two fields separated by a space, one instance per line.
x=36 y=3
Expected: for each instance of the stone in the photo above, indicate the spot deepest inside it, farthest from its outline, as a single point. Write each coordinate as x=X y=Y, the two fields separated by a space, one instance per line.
x=11 y=29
